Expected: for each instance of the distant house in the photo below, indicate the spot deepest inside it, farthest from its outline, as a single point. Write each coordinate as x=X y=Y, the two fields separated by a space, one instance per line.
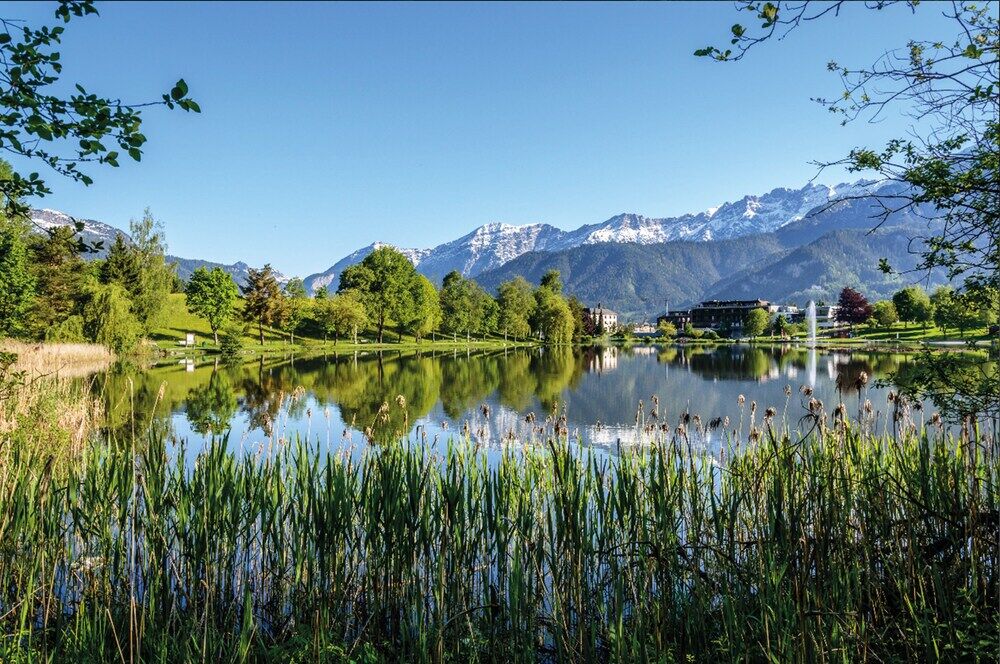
x=727 y=314
x=604 y=319
x=644 y=329
x=678 y=318
x=826 y=316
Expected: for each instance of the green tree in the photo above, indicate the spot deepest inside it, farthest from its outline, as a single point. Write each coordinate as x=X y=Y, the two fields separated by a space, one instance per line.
x=212 y=295
x=341 y=315
x=261 y=298
x=554 y=320
x=913 y=305
x=44 y=125
x=322 y=293
x=121 y=265
x=756 y=322
x=666 y=329
x=424 y=316
x=109 y=321
x=383 y=281
x=60 y=277
x=149 y=292
x=516 y=307
x=458 y=315
x=781 y=325
x=294 y=307
x=17 y=283
x=552 y=281
x=884 y=313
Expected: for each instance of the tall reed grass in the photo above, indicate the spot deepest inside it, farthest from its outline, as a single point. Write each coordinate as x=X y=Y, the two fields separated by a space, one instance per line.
x=837 y=546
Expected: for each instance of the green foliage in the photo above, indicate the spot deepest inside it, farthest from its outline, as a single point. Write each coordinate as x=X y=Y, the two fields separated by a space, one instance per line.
x=666 y=329
x=913 y=305
x=44 y=125
x=261 y=298
x=60 y=278
x=231 y=340
x=384 y=283
x=341 y=315
x=756 y=322
x=121 y=265
x=517 y=306
x=17 y=283
x=69 y=330
x=212 y=295
x=553 y=318
x=109 y=321
x=424 y=315
x=465 y=307
x=150 y=289
x=884 y=313
x=294 y=307
x=552 y=281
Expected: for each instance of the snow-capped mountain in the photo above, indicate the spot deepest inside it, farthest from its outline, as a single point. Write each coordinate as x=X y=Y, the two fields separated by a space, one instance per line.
x=330 y=278
x=100 y=236
x=494 y=244
x=96 y=234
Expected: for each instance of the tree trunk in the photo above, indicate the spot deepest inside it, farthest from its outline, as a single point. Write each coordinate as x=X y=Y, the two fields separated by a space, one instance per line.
x=215 y=333
x=260 y=328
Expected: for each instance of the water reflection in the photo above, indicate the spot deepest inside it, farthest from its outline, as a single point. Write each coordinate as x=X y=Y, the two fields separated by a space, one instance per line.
x=594 y=392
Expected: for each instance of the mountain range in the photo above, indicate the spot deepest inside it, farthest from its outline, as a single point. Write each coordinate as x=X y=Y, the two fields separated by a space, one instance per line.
x=787 y=245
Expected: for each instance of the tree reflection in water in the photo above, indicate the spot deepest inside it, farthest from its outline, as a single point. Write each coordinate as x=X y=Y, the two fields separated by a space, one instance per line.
x=385 y=395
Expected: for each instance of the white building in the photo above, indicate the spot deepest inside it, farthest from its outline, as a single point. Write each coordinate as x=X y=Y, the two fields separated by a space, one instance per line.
x=603 y=318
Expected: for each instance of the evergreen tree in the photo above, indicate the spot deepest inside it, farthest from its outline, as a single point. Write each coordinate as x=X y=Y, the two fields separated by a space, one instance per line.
x=261 y=298
x=121 y=265
x=212 y=294
x=17 y=283
x=59 y=275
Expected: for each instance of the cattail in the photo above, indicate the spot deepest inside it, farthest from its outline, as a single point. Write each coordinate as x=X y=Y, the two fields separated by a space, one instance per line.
x=740 y=400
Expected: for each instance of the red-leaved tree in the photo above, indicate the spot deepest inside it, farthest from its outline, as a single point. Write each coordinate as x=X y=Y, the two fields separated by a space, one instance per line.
x=853 y=307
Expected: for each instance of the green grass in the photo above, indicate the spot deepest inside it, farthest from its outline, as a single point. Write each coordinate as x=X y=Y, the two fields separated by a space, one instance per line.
x=838 y=545
x=177 y=322
x=898 y=333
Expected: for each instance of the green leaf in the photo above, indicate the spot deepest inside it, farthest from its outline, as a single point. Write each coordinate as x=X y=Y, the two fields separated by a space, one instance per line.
x=135 y=153
x=179 y=91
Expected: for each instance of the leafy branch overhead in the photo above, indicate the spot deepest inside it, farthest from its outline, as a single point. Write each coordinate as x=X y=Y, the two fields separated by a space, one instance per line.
x=63 y=132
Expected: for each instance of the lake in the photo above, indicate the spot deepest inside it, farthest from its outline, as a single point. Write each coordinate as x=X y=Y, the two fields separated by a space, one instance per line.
x=601 y=395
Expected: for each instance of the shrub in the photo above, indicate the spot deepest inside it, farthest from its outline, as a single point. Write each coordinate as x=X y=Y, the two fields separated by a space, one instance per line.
x=69 y=331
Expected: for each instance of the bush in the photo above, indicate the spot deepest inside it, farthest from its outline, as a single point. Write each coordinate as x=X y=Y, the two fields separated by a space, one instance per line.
x=109 y=321
x=710 y=334
x=69 y=331
x=231 y=340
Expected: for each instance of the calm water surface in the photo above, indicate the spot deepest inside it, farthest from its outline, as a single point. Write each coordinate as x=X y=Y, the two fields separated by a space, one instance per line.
x=597 y=394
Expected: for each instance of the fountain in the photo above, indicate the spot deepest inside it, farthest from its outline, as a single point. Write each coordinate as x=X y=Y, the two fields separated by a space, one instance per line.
x=811 y=363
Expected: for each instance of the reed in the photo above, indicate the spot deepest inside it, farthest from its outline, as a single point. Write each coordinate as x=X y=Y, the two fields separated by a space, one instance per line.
x=838 y=545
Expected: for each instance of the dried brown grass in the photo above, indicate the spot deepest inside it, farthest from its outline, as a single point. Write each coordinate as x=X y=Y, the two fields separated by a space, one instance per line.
x=63 y=360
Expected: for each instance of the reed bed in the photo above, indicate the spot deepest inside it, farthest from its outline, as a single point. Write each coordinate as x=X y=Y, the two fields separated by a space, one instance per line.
x=65 y=360
x=839 y=545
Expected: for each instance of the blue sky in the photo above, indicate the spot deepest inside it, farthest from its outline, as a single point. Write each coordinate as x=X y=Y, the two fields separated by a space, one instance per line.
x=328 y=126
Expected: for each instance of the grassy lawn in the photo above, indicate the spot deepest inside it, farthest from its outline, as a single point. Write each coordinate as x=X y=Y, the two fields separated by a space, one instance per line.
x=177 y=322
x=897 y=333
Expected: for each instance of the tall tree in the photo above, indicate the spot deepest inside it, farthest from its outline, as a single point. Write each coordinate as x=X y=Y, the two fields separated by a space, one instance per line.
x=261 y=298
x=17 y=283
x=108 y=319
x=853 y=307
x=44 y=125
x=517 y=304
x=458 y=315
x=884 y=313
x=295 y=306
x=121 y=265
x=341 y=315
x=913 y=305
x=212 y=294
x=756 y=322
x=552 y=281
x=384 y=281
x=150 y=291
x=424 y=316
x=554 y=320
x=59 y=274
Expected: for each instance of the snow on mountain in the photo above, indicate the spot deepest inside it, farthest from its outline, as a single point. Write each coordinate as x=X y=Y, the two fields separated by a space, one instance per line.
x=330 y=278
x=100 y=236
x=96 y=234
x=494 y=244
